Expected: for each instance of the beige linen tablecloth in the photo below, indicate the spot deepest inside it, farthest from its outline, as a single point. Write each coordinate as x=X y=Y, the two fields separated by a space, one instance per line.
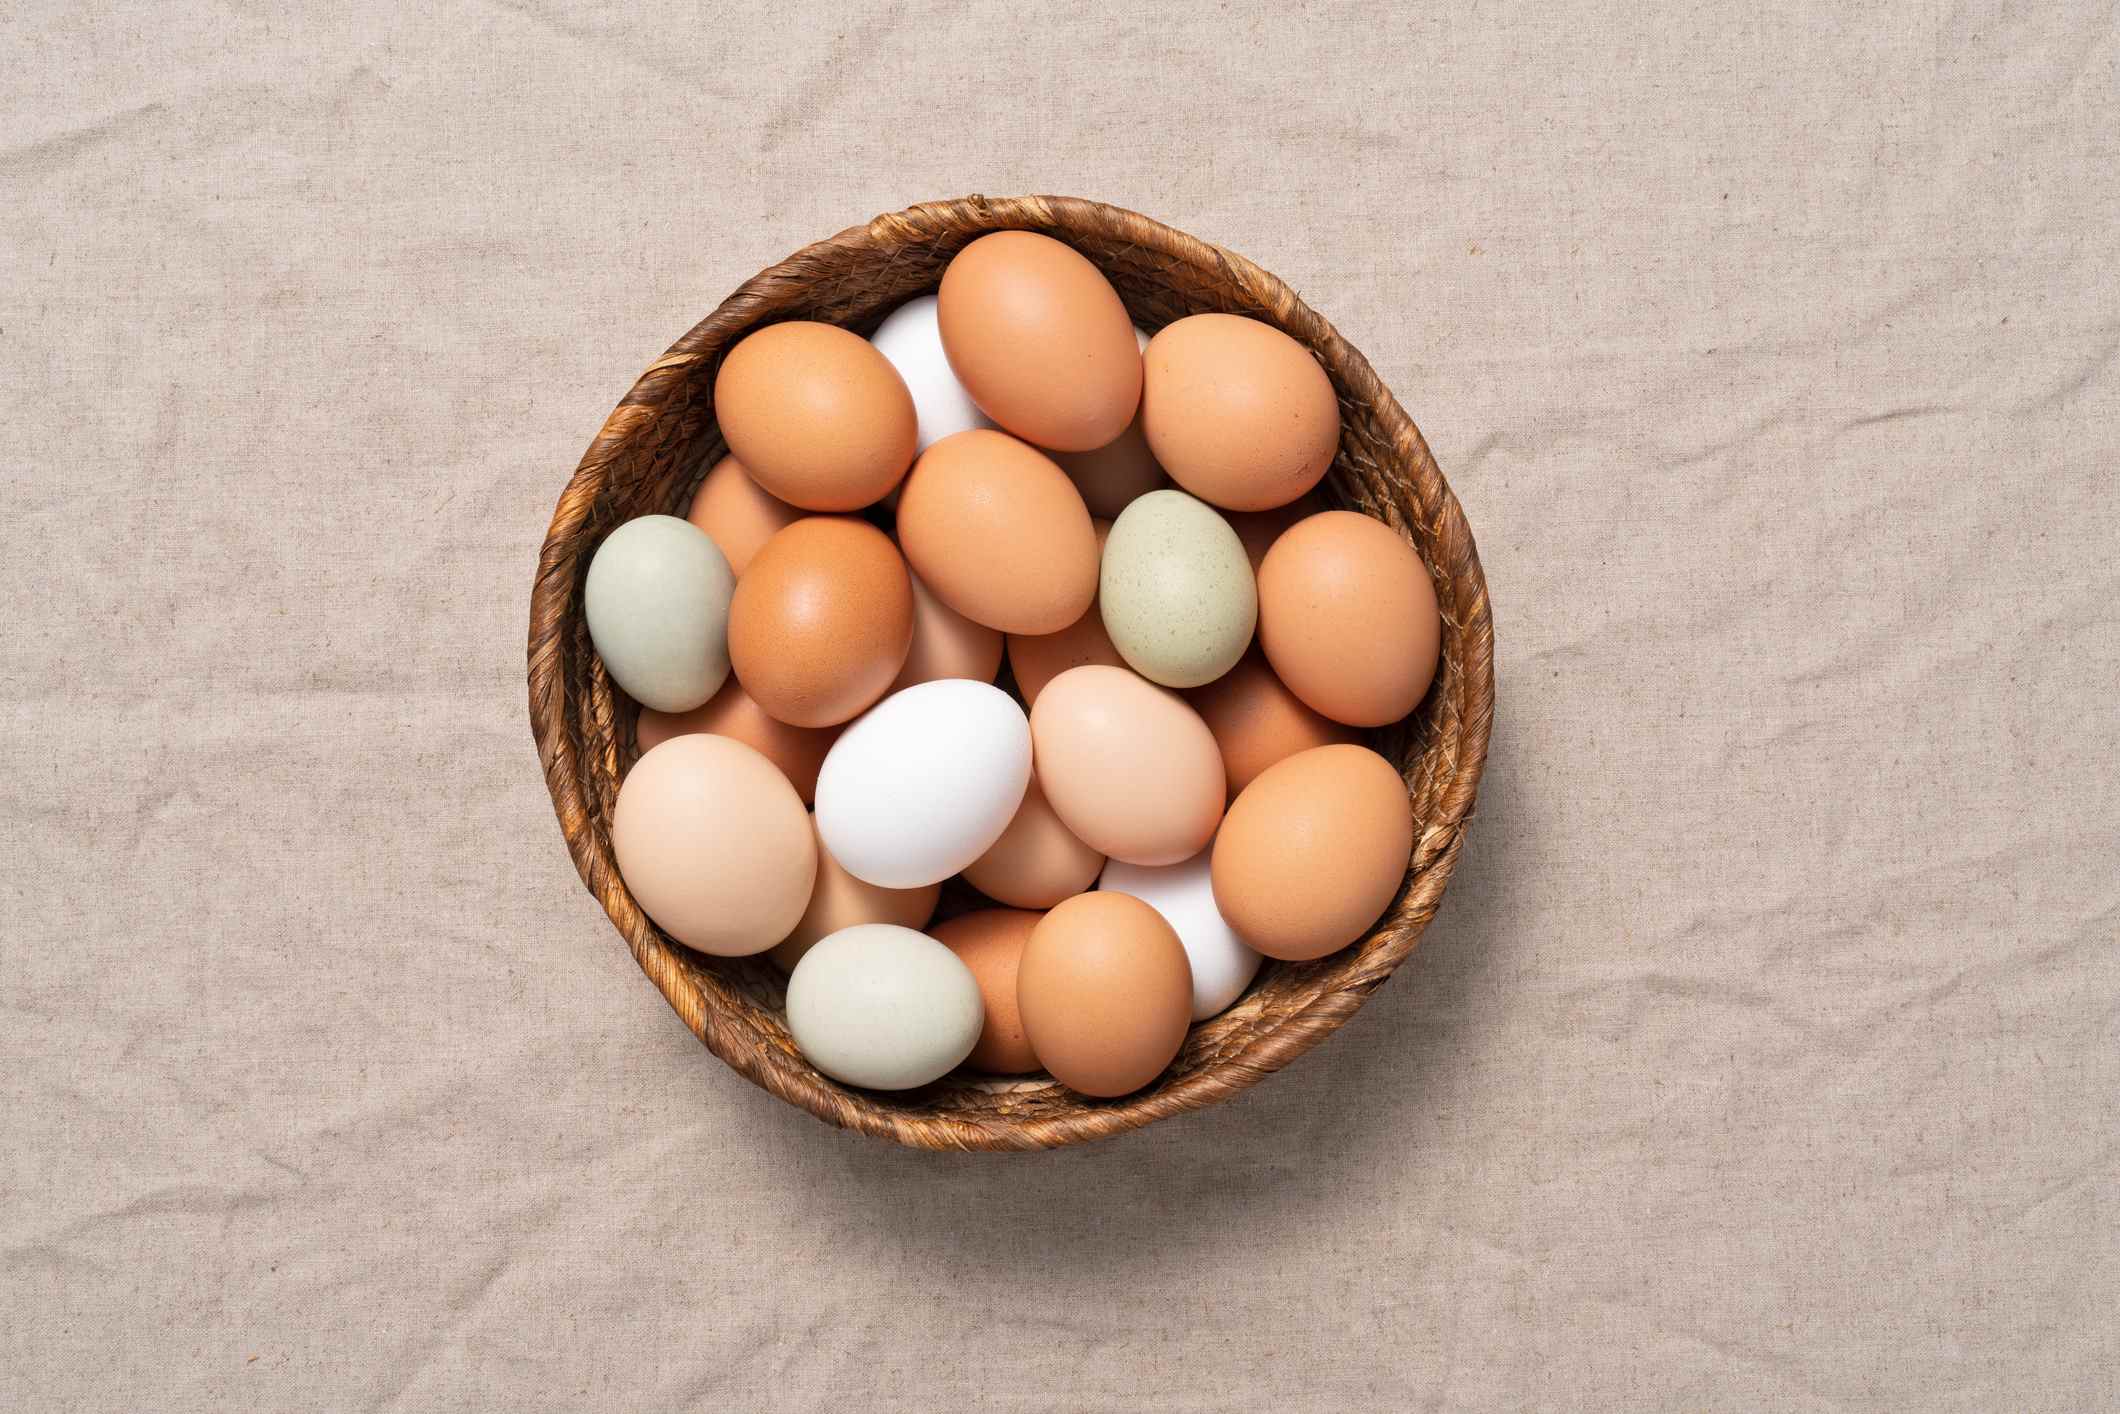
x=1764 y=1054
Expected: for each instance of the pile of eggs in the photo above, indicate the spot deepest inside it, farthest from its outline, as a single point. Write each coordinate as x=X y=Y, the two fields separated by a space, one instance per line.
x=1175 y=787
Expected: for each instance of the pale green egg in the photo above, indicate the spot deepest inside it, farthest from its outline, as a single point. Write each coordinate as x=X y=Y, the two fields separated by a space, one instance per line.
x=657 y=601
x=1176 y=590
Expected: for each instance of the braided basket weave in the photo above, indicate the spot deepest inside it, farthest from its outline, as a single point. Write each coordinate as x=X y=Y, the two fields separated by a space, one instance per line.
x=657 y=445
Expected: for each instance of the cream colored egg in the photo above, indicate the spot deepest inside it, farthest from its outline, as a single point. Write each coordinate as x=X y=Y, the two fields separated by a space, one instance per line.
x=714 y=845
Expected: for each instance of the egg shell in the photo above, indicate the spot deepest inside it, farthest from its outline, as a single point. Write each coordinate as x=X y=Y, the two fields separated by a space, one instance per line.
x=1348 y=619
x=946 y=644
x=822 y=621
x=731 y=712
x=999 y=533
x=816 y=415
x=1222 y=963
x=1105 y=993
x=657 y=603
x=1128 y=766
x=990 y=942
x=1037 y=862
x=1037 y=658
x=924 y=783
x=839 y=900
x=1259 y=529
x=1313 y=851
x=1257 y=721
x=713 y=845
x=1175 y=590
x=883 y=1007
x=737 y=513
x=1237 y=412
x=1041 y=340
x=912 y=340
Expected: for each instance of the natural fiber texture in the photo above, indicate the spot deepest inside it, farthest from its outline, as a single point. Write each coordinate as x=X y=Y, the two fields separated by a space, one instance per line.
x=656 y=445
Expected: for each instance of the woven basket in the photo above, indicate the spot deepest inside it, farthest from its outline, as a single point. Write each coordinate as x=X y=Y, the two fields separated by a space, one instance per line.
x=657 y=445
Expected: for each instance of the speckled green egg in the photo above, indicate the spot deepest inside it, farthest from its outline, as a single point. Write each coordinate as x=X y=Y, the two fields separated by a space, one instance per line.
x=1176 y=590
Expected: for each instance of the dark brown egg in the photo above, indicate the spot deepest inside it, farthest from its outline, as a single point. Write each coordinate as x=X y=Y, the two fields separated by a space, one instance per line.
x=822 y=621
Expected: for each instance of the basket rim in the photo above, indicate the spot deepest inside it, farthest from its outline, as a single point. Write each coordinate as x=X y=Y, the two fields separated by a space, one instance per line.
x=1468 y=627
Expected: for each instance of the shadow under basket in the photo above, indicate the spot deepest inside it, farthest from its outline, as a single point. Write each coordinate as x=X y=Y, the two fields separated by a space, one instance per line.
x=659 y=442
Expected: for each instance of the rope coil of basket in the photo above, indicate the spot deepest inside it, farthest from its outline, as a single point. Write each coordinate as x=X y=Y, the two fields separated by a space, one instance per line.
x=659 y=442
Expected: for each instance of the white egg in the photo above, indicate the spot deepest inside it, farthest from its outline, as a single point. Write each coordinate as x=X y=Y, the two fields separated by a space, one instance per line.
x=924 y=782
x=1222 y=963
x=910 y=339
x=883 y=1007
x=657 y=600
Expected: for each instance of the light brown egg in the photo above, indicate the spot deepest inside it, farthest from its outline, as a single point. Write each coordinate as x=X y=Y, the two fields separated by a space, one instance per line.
x=1258 y=721
x=816 y=415
x=1348 y=619
x=1115 y=475
x=839 y=900
x=1041 y=340
x=999 y=533
x=1237 y=412
x=1129 y=768
x=1313 y=851
x=1105 y=992
x=1037 y=862
x=713 y=845
x=1259 y=529
x=822 y=621
x=731 y=712
x=737 y=513
x=990 y=942
x=946 y=644
x=1037 y=658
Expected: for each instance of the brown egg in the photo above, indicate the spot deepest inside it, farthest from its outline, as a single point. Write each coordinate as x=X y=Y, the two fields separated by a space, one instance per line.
x=1237 y=412
x=990 y=942
x=839 y=900
x=1258 y=721
x=1313 y=851
x=999 y=533
x=1259 y=529
x=1037 y=862
x=816 y=415
x=737 y=513
x=822 y=621
x=713 y=845
x=946 y=644
x=1128 y=767
x=1348 y=619
x=1040 y=340
x=1105 y=993
x=797 y=751
x=1037 y=658
x=1116 y=475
